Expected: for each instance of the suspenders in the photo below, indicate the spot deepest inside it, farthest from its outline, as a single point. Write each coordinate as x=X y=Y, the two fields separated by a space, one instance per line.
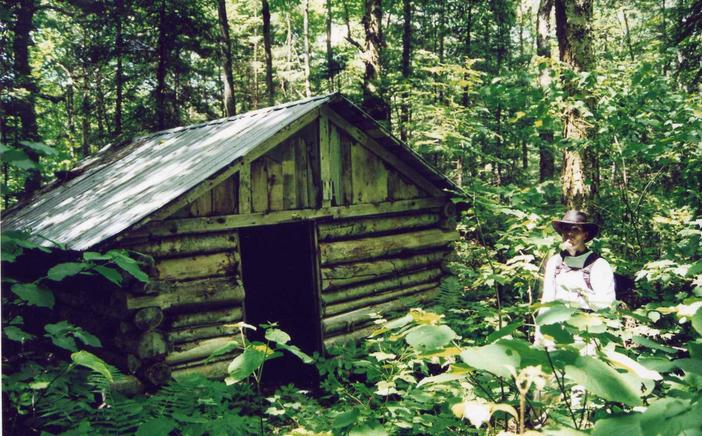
x=586 y=269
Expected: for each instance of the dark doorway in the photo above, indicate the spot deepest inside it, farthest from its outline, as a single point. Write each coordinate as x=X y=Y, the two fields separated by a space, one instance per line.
x=278 y=268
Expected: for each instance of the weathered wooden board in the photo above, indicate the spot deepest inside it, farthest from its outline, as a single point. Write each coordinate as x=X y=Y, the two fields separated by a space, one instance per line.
x=302 y=178
x=206 y=317
x=198 y=350
x=193 y=267
x=259 y=185
x=382 y=246
x=351 y=273
x=369 y=176
x=357 y=227
x=335 y=166
x=245 y=187
x=182 y=294
x=325 y=161
x=189 y=334
x=346 y=306
x=185 y=245
x=375 y=288
x=225 y=197
x=214 y=370
x=289 y=180
x=349 y=321
x=230 y=222
x=401 y=189
x=274 y=170
x=346 y=168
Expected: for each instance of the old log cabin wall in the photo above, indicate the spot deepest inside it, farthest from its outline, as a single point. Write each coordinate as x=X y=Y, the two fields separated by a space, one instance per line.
x=382 y=232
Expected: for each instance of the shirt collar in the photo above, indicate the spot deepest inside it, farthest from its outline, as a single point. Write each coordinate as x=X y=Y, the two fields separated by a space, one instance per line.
x=577 y=261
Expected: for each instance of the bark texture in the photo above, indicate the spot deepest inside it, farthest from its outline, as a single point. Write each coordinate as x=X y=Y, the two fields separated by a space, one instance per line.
x=373 y=99
x=226 y=50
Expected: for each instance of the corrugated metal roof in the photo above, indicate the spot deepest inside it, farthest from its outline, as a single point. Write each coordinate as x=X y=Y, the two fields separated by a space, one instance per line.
x=119 y=187
x=124 y=183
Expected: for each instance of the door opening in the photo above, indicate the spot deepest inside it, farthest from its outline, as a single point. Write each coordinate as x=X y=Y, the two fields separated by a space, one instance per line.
x=278 y=265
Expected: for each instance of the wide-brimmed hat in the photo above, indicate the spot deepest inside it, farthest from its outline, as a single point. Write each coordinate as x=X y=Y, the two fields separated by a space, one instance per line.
x=576 y=217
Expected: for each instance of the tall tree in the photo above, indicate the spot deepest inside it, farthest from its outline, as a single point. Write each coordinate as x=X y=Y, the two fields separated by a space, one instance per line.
x=24 y=107
x=330 y=53
x=406 y=66
x=306 y=37
x=266 y=14
x=225 y=44
x=373 y=99
x=574 y=33
x=543 y=50
x=119 y=19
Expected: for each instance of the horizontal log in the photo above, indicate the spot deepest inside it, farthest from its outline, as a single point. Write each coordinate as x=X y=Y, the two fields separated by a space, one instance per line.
x=350 y=228
x=214 y=370
x=196 y=333
x=183 y=245
x=383 y=246
x=198 y=350
x=127 y=363
x=335 y=309
x=109 y=305
x=375 y=288
x=185 y=226
x=219 y=316
x=195 y=267
x=350 y=321
x=127 y=385
x=148 y=318
x=180 y=295
x=336 y=276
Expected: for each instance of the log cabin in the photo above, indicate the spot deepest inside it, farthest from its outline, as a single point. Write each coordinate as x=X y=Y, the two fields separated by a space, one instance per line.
x=308 y=214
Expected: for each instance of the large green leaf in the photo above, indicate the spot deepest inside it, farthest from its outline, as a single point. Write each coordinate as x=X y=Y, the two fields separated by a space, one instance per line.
x=554 y=314
x=15 y=333
x=346 y=419
x=89 y=360
x=110 y=274
x=504 y=331
x=278 y=336
x=128 y=264
x=34 y=295
x=306 y=358
x=603 y=380
x=368 y=430
x=429 y=337
x=697 y=321
x=495 y=358
x=63 y=270
x=40 y=148
x=629 y=425
x=246 y=364
x=671 y=416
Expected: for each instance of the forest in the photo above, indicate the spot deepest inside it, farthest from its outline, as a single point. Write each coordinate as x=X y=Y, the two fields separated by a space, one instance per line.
x=530 y=107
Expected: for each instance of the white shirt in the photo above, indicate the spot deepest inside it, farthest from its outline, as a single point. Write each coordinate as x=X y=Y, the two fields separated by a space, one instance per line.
x=570 y=286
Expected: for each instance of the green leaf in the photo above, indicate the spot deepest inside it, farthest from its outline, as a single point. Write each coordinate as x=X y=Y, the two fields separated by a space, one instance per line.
x=14 y=333
x=558 y=332
x=128 y=264
x=346 y=419
x=40 y=148
x=63 y=270
x=306 y=358
x=246 y=364
x=429 y=337
x=34 y=295
x=156 y=426
x=18 y=159
x=629 y=425
x=60 y=334
x=504 y=331
x=368 y=430
x=224 y=349
x=89 y=256
x=695 y=269
x=646 y=342
x=278 y=336
x=495 y=358
x=554 y=314
x=110 y=274
x=671 y=416
x=89 y=360
x=603 y=380
x=697 y=321
x=86 y=338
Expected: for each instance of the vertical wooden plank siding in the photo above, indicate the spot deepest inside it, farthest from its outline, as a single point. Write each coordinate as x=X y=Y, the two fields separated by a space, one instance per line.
x=314 y=181
x=259 y=185
x=370 y=177
x=346 y=169
x=245 y=188
x=289 y=181
x=275 y=184
x=335 y=165
x=325 y=161
x=301 y=173
x=202 y=206
x=224 y=198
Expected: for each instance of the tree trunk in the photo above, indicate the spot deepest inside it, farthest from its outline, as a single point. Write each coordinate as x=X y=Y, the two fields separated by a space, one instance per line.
x=266 y=14
x=161 y=69
x=226 y=50
x=573 y=29
x=306 y=33
x=373 y=100
x=468 y=47
x=85 y=117
x=119 y=79
x=543 y=49
x=330 y=55
x=406 y=67
x=24 y=106
x=442 y=33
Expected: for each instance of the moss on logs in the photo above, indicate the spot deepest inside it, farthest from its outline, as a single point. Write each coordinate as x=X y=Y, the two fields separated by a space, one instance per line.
x=350 y=321
x=214 y=370
x=349 y=273
x=184 y=245
x=198 y=350
x=375 y=288
x=195 y=267
x=145 y=346
x=203 y=332
x=219 y=316
x=350 y=228
x=383 y=246
x=157 y=374
x=335 y=309
x=148 y=318
x=190 y=293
